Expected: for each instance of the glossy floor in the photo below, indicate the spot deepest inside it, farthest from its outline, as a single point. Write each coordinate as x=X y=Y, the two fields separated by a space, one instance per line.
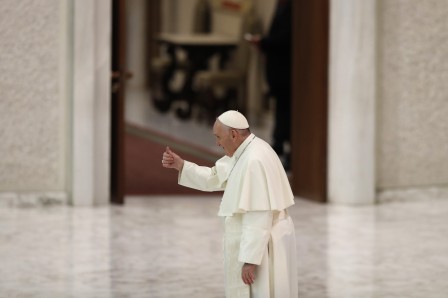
x=171 y=247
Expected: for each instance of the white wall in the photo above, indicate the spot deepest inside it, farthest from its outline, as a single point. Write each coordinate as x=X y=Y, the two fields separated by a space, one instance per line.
x=136 y=45
x=55 y=106
x=388 y=126
x=177 y=16
x=265 y=11
x=47 y=106
x=413 y=94
x=34 y=103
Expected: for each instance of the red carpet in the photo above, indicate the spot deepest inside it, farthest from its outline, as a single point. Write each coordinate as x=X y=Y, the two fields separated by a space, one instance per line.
x=144 y=172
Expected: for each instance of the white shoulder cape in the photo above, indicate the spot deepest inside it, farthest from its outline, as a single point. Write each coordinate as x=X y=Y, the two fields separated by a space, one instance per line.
x=257 y=181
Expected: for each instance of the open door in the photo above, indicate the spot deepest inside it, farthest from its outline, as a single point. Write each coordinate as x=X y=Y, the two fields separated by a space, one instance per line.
x=119 y=77
x=310 y=98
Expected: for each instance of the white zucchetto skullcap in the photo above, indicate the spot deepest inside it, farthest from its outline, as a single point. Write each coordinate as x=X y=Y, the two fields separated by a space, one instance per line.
x=234 y=119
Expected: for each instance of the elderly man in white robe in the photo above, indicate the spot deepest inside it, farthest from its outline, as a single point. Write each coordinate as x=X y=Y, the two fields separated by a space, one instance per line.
x=259 y=240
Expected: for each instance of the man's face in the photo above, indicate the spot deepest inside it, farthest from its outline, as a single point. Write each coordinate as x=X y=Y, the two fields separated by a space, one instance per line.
x=224 y=138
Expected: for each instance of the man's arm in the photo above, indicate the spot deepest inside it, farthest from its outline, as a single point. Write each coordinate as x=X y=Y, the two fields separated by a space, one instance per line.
x=191 y=175
x=256 y=232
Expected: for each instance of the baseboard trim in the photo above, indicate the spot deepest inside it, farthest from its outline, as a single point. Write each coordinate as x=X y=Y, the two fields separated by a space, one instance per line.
x=412 y=194
x=32 y=199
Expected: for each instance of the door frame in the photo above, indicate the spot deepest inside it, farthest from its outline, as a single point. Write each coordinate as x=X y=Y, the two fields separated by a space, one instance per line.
x=309 y=101
x=310 y=98
x=118 y=91
x=120 y=75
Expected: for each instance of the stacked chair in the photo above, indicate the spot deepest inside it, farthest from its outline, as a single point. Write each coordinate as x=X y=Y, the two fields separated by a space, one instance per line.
x=159 y=65
x=222 y=88
x=222 y=85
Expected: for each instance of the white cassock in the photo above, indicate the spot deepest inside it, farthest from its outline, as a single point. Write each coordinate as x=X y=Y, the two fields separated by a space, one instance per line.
x=258 y=229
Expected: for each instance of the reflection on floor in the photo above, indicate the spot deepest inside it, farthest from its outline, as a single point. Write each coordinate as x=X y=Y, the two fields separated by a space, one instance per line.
x=140 y=111
x=171 y=247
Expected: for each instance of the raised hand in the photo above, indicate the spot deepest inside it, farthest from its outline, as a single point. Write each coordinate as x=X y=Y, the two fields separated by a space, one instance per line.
x=172 y=160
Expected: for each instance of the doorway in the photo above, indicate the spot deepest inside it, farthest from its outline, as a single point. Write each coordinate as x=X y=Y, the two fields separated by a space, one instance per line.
x=310 y=92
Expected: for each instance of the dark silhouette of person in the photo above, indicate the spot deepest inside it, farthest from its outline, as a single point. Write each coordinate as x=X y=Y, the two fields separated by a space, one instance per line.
x=276 y=46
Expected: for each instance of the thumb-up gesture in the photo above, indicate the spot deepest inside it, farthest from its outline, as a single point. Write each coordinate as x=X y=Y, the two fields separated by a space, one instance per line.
x=172 y=160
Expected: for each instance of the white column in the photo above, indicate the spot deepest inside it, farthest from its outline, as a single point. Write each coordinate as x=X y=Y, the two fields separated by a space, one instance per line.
x=103 y=52
x=91 y=102
x=351 y=153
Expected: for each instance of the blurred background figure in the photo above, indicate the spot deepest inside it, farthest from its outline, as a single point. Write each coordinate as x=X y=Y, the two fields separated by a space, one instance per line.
x=276 y=46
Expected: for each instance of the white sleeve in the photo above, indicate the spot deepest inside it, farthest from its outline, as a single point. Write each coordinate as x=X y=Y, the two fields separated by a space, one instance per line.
x=256 y=232
x=198 y=177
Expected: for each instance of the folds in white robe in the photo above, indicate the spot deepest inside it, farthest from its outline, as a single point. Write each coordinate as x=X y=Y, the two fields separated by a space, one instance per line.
x=257 y=227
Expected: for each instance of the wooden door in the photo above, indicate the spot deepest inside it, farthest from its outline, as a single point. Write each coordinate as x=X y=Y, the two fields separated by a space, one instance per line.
x=117 y=181
x=310 y=98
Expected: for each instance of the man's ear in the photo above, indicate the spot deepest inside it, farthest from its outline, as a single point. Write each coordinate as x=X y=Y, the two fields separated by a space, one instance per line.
x=234 y=133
